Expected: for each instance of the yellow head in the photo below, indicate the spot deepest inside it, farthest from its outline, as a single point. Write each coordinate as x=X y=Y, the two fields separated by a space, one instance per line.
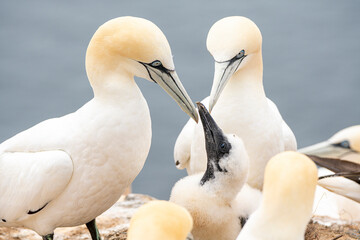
x=233 y=42
x=348 y=137
x=344 y=145
x=230 y=35
x=125 y=47
x=160 y=220
x=288 y=194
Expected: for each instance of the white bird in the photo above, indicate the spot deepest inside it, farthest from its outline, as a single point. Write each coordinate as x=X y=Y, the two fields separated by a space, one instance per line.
x=160 y=220
x=241 y=104
x=288 y=196
x=341 y=155
x=343 y=145
x=212 y=197
x=66 y=171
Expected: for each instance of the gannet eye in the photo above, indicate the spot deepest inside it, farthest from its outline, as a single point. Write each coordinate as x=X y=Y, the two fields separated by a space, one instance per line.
x=345 y=144
x=223 y=147
x=156 y=63
x=240 y=54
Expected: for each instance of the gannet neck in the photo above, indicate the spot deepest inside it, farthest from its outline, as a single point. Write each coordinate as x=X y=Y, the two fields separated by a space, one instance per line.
x=111 y=83
x=249 y=78
x=246 y=85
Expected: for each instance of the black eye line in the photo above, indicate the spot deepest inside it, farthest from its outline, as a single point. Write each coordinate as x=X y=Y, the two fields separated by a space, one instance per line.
x=230 y=61
x=146 y=67
x=341 y=144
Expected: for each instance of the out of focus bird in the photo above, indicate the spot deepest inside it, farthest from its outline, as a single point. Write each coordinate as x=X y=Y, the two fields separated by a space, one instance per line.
x=160 y=220
x=288 y=196
x=341 y=155
x=343 y=145
x=66 y=171
x=237 y=102
x=212 y=197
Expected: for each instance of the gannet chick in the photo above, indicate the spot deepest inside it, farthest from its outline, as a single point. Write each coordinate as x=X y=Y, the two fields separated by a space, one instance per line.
x=210 y=196
x=160 y=220
x=241 y=104
x=288 y=195
x=66 y=171
x=344 y=145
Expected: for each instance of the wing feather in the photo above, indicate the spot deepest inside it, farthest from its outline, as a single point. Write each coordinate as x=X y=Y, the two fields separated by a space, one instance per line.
x=29 y=181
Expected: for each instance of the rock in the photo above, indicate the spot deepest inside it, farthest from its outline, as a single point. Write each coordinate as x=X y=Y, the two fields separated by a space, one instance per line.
x=316 y=231
x=112 y=224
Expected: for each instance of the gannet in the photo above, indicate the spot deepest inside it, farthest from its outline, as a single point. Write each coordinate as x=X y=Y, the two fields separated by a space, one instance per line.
x=160 y=220
x=288 y=195
x=241 y=104
x=66 y=171
x=341 y=155
x=344 y=145
x=211 y=196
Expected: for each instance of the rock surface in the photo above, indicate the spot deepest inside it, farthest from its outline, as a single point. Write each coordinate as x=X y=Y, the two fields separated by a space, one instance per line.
x=113 y=225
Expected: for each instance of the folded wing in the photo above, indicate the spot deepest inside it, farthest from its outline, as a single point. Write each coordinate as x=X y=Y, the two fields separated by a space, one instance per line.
x=29 y=181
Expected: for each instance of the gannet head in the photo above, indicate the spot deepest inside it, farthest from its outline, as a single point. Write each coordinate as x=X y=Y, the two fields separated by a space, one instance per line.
x=289 y=186
x=130 y=46
x=227 y=158
x=232 y=41
x=160 y=220
x=345 y=144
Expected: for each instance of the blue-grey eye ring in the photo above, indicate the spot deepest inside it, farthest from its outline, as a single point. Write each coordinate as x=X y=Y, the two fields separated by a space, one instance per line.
x=156 y=63
x=240 y=54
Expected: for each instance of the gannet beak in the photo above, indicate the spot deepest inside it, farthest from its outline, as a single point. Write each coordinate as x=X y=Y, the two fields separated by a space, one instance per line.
x=170 y=82
x=216 y=143
x=222 y=74
x=325 y=150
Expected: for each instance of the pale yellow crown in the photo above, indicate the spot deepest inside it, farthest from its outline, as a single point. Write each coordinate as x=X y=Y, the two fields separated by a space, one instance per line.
x=351 y=134
x=289 y=184
x=160 y=220
x=228 y=36
x=130 y=38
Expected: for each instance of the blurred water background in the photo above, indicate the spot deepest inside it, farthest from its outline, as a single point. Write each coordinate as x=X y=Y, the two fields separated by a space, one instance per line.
x=310 y=49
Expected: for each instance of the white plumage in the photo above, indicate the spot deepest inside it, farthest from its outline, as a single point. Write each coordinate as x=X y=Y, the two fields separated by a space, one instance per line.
x=66 y=171
x=241 y=104
x=219 y=199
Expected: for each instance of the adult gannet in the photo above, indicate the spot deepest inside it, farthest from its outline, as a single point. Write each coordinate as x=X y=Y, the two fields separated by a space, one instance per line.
x=241 y=105
x=211 y=197
x=344 y=145
x=288 y=195
x=341 y=155
x=160 y=220
x=66 y=171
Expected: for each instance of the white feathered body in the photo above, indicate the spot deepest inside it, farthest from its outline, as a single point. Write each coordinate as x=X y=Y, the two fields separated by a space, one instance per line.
x=245 y=111
x=213 y=217
x=99 y=150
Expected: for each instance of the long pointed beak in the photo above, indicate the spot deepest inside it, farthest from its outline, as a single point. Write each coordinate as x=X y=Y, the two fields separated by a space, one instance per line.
x=324 y=150
x=214 y=137
x=222 y=74
x=213 y=134
x=171 y=83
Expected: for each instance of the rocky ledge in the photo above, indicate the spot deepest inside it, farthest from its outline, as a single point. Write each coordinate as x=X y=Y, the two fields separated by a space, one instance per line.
x=113 y=225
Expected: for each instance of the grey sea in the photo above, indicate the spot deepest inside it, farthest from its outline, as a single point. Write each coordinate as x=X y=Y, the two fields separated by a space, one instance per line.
x=311 y=65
